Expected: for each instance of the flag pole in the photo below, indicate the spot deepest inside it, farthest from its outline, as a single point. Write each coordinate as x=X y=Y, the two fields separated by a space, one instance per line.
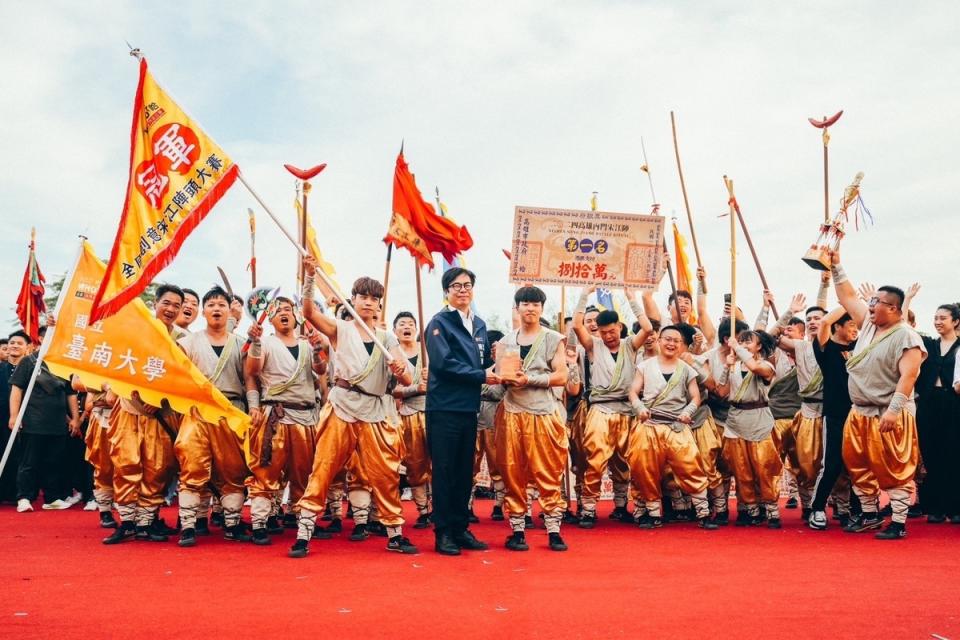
x=44 y=347
x=733 y=258
x=370 y=333
x=423 y=344
x=386 y=278
x=735 y=209
x=686 y=202
x=253 y=248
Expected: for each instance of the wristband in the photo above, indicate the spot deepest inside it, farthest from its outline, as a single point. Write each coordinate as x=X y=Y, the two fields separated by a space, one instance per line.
x=541 y=380
x=638 y=407
x=582 y=302
x=253 y=399
x=839 y=275
x=690 y=409
x=256 y=350
x=897 y=402
x=306 y=291
x=743 y=353
x=764 y=316
x=700 y=290
x=573 y=373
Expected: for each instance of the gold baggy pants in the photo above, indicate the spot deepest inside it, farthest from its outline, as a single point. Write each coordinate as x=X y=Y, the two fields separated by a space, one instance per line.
x=416 y=457
x=379 y=448
x=143 y=463
x=655 y=447
x=757 y=467
x=806 y=455
x=881 y=461
x=97 y=440
x=292 y=454
x=532 y=449
x=605 y=440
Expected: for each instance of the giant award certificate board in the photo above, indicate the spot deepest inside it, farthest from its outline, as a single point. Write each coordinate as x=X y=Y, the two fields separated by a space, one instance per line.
x=584 y=248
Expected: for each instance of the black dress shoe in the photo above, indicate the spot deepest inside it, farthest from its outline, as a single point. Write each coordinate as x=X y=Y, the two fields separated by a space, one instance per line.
x=791 y=503
x=570 y=518
x=517 y=542
x=743 y=519
x=894 y=531
x=359 y=533
x=621 y=514
x=188 y=538
x=707 y=523
x=588 y=521
x=446 y=546
x=722 y=518
x=497 y=515
x=124 y=532
x=466 y=540
x=202 y=527
x=274 y=527
x=107 y=521
x=423 y=521
x=647 y=521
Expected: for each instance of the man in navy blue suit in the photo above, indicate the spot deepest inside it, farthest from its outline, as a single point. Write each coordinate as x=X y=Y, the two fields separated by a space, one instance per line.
x=457 y=348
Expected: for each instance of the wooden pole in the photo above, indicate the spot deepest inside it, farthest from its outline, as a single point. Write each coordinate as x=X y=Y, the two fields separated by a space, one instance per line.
x=423 y=344
x=563 y=310
x=733 y=259
x=370 y=333
x=735 y=211
x=826 y=176
x=386 y=278
x=673 y=283
x=253 y=249
x=686 y=202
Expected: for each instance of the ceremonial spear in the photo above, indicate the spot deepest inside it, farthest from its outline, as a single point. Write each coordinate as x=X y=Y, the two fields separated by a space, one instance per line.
x=655 y=210
x=732 y=202
x=825 y=124
x=735 y=210
x=686 y=203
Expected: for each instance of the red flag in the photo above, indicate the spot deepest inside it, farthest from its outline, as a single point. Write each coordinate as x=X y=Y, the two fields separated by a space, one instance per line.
x=30 y=299
x=416 y=225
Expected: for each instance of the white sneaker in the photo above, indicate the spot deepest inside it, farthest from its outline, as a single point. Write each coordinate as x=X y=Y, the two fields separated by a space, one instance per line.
x=90 y=506
x=818 y=520
x=57 y=505
x=74 y=499
x=23 y=505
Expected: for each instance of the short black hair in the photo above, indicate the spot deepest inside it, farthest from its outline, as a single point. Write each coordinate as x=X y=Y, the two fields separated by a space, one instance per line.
x=21 y=334
x=529 y=294
x=681 y=293
x=723 y=329
x=952 y=309
x=193 y=293
x=656 y=324
x=591 y=309
x=403 y=314
x=685 y=330
x=814 y=308
x=3 y=341
x=164 y=289
x=367 y=287
x=607 y=317
x=236 y=298
x=796 y=321
x=280 y=299
x=897 y=291
x=453 y=273
x=216 y=291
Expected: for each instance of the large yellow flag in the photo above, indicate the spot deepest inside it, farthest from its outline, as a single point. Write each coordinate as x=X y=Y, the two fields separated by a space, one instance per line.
x=177 y=173
x=314 y=248
x=684 y=275
x=130 y=351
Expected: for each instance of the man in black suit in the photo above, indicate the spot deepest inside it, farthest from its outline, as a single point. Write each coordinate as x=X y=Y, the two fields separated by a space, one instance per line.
x=457 y=348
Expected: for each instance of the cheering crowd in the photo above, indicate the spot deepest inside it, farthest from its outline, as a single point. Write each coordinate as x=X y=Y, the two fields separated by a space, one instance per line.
x=682 y=411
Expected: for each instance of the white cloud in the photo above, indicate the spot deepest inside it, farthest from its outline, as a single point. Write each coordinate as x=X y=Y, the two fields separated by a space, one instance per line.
x=526 y=103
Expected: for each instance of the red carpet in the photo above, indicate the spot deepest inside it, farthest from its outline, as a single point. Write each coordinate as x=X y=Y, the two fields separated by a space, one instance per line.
x=58 y=581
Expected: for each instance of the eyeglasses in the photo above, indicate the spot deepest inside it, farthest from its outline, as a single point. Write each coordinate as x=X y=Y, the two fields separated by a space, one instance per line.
x=461 y=286
x=874 y=301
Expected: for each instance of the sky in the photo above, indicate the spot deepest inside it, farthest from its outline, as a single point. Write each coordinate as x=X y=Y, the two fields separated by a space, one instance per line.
x=499 y=105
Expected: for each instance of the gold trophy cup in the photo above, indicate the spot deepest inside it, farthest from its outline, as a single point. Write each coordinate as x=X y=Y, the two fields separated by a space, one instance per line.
x=831 y=233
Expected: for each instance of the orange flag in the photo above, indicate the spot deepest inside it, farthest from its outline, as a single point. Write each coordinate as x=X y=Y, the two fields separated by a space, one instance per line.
x=416 y=226
x=130 y=351
x=177 y=173
x=684 y=275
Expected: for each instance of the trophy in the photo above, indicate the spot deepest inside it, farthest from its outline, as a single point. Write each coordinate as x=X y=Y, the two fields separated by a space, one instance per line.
x=508 y=363
x=831 y=232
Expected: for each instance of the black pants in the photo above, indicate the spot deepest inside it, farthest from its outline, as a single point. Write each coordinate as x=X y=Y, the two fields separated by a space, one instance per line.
x=451 y=439
x=78 y=473
x=8 y=479
x=938 y=433
x=832 y=460
x=41 y=467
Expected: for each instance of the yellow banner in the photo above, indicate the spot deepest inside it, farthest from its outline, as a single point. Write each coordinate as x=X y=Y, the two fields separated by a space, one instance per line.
x=583 y=248
x=177 y=173
x=130 y=351
x=685 y=279
x=313 y=246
